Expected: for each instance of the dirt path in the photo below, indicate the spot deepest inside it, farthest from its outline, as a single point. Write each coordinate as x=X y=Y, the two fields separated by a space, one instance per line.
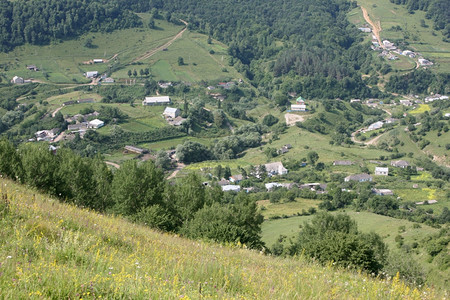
x=162 y=47
x=179 y=167
x=374 y=140
x=376 y=28
x=112 y=164
x=59 y=137
x=56 y=111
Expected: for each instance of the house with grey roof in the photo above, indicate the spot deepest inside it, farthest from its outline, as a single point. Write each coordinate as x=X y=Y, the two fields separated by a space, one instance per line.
x=400 y=163
x=359 y=177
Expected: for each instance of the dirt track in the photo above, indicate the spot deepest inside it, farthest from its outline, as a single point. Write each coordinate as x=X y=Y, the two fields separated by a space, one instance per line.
x=376 y=28
x=162 y=47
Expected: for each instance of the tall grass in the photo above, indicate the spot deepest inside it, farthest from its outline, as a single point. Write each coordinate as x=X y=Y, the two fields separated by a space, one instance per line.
x=54 y=250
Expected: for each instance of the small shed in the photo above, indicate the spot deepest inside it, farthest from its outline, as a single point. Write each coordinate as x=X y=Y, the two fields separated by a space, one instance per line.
x=171 y=112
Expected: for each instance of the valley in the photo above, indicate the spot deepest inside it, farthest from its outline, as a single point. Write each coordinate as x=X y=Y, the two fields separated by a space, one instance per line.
x=233 y=128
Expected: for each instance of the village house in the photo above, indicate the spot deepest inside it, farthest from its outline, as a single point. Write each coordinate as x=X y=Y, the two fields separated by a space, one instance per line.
x=383 y=192
x=358 y=177
x=381 y=171
x=171 y=112
x=355 y=100
x=226 y=85
x=46 y=135
x=108 y=80
x=78 y=127
x=17 y=80
x=400 y=163
x=424 y=62
x=315 y=186
x=95 y=124
x=406 y=102
x=342 y=163
x=236 y=178
x=365 y=29
x=159 y=100
x=223 y=182
x=32 y=68
x=98 y=61
x=164 y=85
x=69 y=102
x=176 y=121
x=275 y=168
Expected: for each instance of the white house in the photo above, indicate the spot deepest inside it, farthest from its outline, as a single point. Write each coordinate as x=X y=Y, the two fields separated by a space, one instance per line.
x=383 y=192
x=160 y=100
x=17 y=80
x=171 y=112
x=96 y=124
x=374 y=126
x=276 y=168
x=406 y=102
x=231 y=188
x=91 y=74
x=381 y=171
x=97 y=61
x=425 y=62
x=298 y=107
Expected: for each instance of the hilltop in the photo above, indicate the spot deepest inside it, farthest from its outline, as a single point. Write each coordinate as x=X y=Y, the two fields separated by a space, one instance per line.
x=55 y=250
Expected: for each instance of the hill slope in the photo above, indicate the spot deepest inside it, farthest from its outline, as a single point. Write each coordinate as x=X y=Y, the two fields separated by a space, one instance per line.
x=59 y=251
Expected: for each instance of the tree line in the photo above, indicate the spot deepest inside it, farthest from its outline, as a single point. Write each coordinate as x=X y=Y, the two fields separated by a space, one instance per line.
x=39 y=22
x=137 y=191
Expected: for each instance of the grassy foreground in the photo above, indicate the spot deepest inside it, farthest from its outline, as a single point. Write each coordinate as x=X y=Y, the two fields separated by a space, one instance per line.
x=53 y=250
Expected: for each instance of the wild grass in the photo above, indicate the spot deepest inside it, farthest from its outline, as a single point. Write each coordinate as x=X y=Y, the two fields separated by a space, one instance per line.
x=51 y=250
x=421 y=109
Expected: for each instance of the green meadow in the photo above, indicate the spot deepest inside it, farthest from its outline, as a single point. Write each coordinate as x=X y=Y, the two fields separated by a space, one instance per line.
x=63 y=62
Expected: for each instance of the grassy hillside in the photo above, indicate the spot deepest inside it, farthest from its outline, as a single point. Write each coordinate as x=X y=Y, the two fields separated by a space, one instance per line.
x=64 y=62
x=50 y=250
x=388 y=228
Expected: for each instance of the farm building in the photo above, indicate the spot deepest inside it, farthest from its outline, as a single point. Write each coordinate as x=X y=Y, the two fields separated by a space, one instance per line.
x=134 y=149
x=298 y=107
x=359 y=177
x=382 y=192
x=160 y=100
x=91 y=74
x=171 y=112
x=87 y=100
x=380 y=171
x=342 y=163
x=231 y=188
